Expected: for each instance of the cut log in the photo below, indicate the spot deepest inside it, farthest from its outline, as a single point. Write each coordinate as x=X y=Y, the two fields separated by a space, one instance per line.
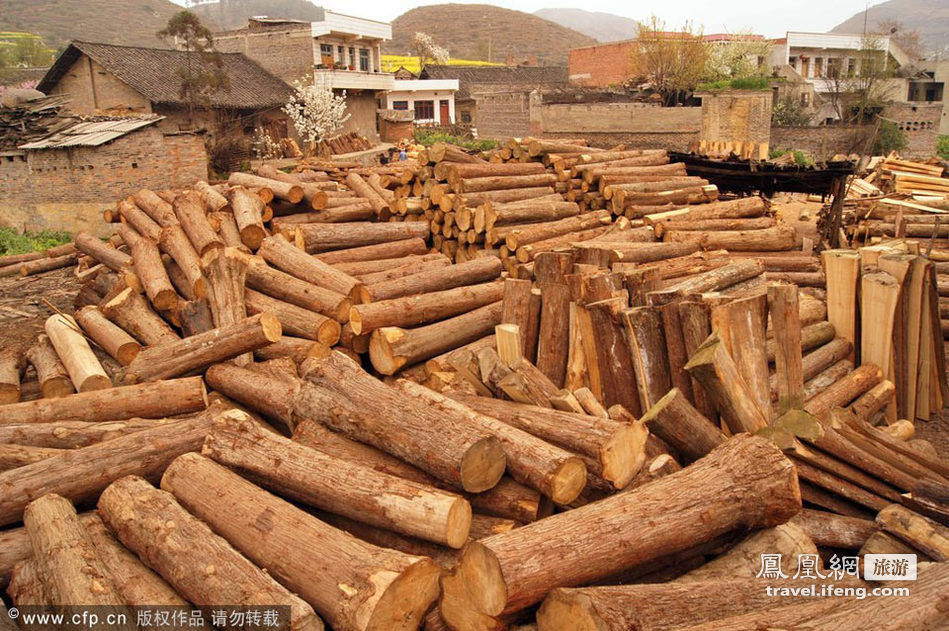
x=189 y=208
x=248 y=213
x=392 y=348
x=168 y=539
x=714 y=368
x=320 y=238
x=387 y=250
x=617 y=449
x=121 y=346
x=842 y=269
x=741 y=324
x=745 y=482
x=360 y=587
x=277 y=251
x=466 y=457
x=149 y=269
x=286 y=191
x=112 y=258
x=11 y=362
x=200 y=351
x=66 y=558
x=226 y=271
x=72 y=434
x=551 y=470
x=918 y=531
x=835 y=531
x=712 y=280
x=283 y=286
x=85 y=371
x=294 y=320
x=646 y=340
x=50 y=373
x=134 y=582
x=319 y=479
x=844 y=391
x=676 y=421
x=379 y=204
x=131 y=312
x=474 y=271
x=696 y=326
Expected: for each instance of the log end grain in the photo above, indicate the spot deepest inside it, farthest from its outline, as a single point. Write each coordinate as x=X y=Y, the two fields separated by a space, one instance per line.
x=407 y=599
x=568 y=480
x=328 y=332
x=624 y=454
x=271 y=327
x=565 y=609
x=380 y=350
x=475 y=591
x=252 y=236
x=483 y=465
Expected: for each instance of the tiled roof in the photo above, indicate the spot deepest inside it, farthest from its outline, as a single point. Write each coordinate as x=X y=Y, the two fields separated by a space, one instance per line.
x=153 y=73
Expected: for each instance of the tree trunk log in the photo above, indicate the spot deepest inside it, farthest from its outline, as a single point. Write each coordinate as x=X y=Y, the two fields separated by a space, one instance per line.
x=319 y=479
x=294 y=320
x=168 y=539
x=618 y=449
x=379 y=204
x=248 y=211
x=226 y=271
x=73 y=350
x=844 y=391
x=131 y=312
x=200 y=351
x=643 y=326
x=696 y=326
x=674 y=420
x=475 y=271
x=712 y=280
x=538 y=464
x=52 y=375
x=190 y=211
x=121 y=346
x=392 y=348
x=920 y=532
x=277 y=251
x=286 y=191
x=421 y=308
x=72 y=434
x=321 y=238
x=112 y=258
x=381 y=589
x=741 y=324
x=149 y=269
x=744 y=483
x=835 y=531
x=386 y=250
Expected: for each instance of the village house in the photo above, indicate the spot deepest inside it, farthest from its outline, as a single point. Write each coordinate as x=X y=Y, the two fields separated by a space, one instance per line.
x=103 y=78
x=432 y=100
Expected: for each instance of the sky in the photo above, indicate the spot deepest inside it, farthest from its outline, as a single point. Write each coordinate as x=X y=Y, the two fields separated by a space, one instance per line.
x=765 y=17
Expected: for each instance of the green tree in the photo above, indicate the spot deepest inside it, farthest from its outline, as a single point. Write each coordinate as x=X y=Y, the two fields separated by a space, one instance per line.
x=203 y=73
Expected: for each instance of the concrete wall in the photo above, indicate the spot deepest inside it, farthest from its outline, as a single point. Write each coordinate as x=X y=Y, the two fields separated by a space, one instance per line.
x=361 y=105
x=67 y=189
x=603 y=65
x=286 y=52
x=436 y=96
x=736 y=116
x=91 y=87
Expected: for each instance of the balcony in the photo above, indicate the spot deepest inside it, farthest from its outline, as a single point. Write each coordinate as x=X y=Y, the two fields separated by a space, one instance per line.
x=354 y=79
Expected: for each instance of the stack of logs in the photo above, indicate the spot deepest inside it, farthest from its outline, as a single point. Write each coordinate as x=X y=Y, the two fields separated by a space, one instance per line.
x=395 y=439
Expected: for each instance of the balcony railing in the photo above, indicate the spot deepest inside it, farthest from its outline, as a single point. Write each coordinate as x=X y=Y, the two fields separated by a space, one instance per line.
x=340 y=79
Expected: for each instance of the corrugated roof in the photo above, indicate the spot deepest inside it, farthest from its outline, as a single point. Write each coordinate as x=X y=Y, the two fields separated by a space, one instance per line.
x=91 y=133
x=153 y=73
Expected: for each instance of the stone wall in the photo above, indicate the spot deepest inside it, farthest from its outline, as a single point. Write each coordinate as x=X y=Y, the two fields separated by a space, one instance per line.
x=67 y=189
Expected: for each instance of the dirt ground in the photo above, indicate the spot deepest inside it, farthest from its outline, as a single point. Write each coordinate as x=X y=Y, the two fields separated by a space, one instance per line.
x=23 y=310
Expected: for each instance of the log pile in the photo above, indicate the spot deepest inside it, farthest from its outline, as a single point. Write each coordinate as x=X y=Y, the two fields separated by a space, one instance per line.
x=398 y=436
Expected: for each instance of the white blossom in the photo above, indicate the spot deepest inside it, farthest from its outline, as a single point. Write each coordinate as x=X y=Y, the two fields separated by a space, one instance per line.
x=316 y=112
x=425 y=48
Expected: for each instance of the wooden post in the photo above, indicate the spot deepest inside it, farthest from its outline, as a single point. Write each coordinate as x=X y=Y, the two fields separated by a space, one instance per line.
x=169 y=539
x=842 y=270
x=84 y=368
x=879 y=298
x=785 y=315
x=553 y=340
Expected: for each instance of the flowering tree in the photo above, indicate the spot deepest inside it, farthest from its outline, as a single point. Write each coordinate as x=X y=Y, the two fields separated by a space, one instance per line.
x=428 y=51
x=316 y=112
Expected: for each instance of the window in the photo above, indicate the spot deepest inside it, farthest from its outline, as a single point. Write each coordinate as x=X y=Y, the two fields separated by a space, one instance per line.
x=400 y=105
x=326 y=49
x=364 y=59
x=425 y=110
x=851 y=67
x=352 y=56
x=833 y=67
x=466 y=117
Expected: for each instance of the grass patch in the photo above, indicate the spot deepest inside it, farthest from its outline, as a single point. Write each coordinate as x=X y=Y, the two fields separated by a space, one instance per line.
x=429 y=138
x=738 y=83
x=12 y=242
x=800 y=158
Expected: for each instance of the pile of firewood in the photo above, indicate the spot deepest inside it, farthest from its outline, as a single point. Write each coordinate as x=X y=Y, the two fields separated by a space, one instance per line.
x=350 y=142
x=393 y=438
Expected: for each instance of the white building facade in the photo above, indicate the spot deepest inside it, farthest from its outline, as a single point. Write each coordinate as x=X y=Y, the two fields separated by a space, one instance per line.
x=432 y=100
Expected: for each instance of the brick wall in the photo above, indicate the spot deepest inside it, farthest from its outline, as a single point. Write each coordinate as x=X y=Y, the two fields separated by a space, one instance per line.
x=110 y=93
x=285 y=53
x=920 y=122
x=361 y=105
x=822 y=142
x=503 y=114
x=607 y=64
x=67 y=189
x=584 y=118
x=736 y=116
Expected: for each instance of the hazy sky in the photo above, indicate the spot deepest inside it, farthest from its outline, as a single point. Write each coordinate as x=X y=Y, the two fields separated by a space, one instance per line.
x=766 y=17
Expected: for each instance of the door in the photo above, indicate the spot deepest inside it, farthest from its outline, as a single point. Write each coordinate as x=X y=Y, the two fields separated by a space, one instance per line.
x=443 y=112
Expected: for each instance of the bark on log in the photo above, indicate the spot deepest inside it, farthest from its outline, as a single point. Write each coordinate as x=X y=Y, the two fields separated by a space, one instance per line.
x=360 y=587
x=85 y=371
x=121 y=346
x=294 y=320
x=248 y=211
x=286 y=191
x=746 y=482
x=200 y=351
x=189 y=209
x=11 y=362
x=131 y=312
x=474 y=271
x=676 y=421
x=226 y=271
x=844 y=391
x=112 y=258
x=387 y=250
x=379 y=204
x=72 y=434
x=149 y=269
x=617 y=449
x=918 y=531
x=712 y=280
x=835 y=531
x=172 y=239
x=52 y=375
x=277 y=251
x=168 y=539
x=741 y=324
x=283 y=286
x=340 y=486
x=643 y=327
x=66 y=558
x=321 y=238
x=392 y=348
x=540 y=465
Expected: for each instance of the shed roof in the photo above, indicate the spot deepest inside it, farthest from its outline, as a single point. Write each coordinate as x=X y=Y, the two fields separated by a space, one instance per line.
x=91 y=133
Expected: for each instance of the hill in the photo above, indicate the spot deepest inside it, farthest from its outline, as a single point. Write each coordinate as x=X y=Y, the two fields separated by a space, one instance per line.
x=603 y=27
x=232 y=14
x=481 y=31
x=929 y=17
x=128 y=22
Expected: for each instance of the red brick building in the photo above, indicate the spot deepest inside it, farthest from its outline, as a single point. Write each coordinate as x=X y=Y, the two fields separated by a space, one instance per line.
x=601 y=65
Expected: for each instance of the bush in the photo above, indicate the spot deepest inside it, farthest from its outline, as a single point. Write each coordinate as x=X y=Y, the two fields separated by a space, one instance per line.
x=12 y=242
x=889 y=138
x=789 y=112
x=429 y=138
x=943 y=147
